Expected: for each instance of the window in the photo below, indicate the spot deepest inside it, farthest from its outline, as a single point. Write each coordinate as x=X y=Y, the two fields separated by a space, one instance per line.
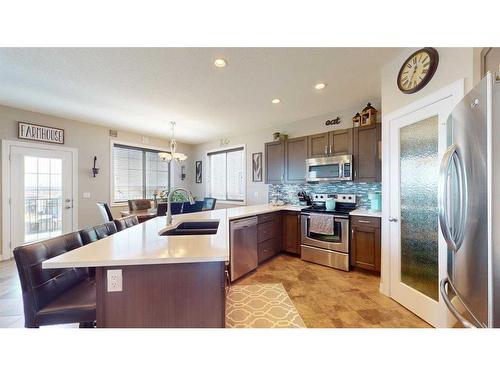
x=226 y=174
x=138 y=173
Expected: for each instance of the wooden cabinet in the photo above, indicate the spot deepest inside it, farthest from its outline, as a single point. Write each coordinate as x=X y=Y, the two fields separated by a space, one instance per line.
x=340 y=142
x=269 y=236
x=318 y=145
x=275 y=162
x=367 y=153
x=365 y=242
x=295 y=160
x=291 y=231
x=337 y=142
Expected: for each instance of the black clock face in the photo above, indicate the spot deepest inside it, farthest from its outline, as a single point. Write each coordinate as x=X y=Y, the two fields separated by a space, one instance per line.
x=418 y=70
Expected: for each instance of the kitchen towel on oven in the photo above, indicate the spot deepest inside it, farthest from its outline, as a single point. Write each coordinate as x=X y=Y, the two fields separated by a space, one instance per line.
x=321 y=224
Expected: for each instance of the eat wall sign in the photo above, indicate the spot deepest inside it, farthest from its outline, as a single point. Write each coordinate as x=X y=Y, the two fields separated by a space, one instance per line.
x=40 y=133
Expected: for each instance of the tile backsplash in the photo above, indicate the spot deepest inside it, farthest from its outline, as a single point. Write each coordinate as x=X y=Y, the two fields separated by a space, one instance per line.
x=288 y=192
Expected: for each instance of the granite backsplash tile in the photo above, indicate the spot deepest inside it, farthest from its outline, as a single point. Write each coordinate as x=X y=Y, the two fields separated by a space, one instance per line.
x=288 y=192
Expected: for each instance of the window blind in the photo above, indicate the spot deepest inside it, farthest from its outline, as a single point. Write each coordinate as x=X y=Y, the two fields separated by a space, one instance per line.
x=138 y=173
x=226 y=169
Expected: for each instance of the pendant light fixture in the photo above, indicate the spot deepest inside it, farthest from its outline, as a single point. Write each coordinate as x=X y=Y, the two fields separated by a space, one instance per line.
x=172 y=154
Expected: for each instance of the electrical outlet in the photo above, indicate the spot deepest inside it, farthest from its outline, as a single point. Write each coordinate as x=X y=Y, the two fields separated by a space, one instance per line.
x=115 y=282
x=86 y=195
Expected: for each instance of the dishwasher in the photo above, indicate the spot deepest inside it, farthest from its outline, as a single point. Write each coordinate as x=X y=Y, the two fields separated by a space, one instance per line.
x=243 y=245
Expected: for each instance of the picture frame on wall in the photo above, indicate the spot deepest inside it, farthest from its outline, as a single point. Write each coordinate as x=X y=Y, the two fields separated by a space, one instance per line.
x=257 y=167
x=199 y=171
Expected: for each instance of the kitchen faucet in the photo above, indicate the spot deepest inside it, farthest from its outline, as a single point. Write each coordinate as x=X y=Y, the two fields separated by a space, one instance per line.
x=169 y=200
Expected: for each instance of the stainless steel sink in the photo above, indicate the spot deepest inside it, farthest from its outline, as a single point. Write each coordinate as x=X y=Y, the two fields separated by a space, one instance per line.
x=192 y=228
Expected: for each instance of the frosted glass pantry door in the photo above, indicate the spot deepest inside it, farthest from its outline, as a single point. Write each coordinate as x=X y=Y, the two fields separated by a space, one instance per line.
x=417 y=143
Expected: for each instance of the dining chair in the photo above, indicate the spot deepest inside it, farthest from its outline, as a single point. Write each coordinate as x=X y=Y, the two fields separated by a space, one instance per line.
x=188 y=207
x=209 y=204
x=161 y=209
x=139 y=204
x=105 y=211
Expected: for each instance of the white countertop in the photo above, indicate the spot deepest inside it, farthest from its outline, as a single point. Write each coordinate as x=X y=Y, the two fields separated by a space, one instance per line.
x=141 y=244
x=361 y=212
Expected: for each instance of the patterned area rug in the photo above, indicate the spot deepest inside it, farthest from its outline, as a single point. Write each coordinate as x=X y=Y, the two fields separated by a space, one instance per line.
x=261 y=306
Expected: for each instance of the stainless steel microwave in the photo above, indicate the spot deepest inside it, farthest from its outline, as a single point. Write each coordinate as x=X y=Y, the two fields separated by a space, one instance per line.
x=332 y=168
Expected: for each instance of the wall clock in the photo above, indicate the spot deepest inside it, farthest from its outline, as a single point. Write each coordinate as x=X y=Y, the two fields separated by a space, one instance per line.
x=418 y=70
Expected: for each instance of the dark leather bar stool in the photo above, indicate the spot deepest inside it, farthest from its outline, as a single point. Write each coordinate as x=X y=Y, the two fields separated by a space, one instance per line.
x=54 y=296
x=96 y=233
x=126 y=222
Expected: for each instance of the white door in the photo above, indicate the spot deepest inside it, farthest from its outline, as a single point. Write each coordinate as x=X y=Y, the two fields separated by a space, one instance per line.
x=41 y=194
x=418 y=251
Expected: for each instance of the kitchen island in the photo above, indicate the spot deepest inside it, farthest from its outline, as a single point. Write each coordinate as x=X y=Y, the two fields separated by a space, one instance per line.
x=161 y=281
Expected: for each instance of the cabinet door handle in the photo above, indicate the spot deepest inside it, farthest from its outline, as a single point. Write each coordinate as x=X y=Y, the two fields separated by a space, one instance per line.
x=326 y=150
x=364 y=221
x=352 y=234
x=330 y=149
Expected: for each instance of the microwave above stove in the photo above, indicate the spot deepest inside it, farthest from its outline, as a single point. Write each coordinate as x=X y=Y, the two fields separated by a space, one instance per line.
x=333 y=168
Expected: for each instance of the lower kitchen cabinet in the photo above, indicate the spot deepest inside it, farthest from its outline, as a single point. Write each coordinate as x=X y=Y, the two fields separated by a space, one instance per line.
x=365 y=242
x=291 y=232
x=268 y=236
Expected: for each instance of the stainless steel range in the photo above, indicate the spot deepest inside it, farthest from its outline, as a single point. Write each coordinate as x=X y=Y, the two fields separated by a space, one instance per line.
x=325 y=230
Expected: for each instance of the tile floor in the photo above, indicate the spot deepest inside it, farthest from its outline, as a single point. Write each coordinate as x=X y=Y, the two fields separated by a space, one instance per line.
x=328 y=298
x=323 y=296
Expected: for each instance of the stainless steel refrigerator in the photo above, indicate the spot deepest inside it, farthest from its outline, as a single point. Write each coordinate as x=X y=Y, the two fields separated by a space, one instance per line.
x=469 y=207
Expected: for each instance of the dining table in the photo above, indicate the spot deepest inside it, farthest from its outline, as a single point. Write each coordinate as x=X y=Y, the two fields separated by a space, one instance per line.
x=142 y=215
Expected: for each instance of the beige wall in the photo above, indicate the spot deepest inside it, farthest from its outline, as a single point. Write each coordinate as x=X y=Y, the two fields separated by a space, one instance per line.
x=90 y=140
x=257 y=191
x=454 y=64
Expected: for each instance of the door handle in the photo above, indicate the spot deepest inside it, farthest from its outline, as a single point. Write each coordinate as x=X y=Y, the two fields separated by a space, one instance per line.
x=368 y=221
x=67 y=207
x=452 y=157
x=393 y=219
x=330 y=149
x=444 y=293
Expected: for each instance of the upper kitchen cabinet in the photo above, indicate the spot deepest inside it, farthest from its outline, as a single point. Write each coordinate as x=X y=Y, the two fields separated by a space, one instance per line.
x=340 y=142
x=367 y=153
x=337 y=142
x=275 y=162
x=318 y=145
x=295 y=160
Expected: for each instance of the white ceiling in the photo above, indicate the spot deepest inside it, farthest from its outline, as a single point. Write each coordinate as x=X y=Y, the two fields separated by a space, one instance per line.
x=142 y=89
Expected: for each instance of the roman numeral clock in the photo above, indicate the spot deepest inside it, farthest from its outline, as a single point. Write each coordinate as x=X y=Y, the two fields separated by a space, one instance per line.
x=418 y=70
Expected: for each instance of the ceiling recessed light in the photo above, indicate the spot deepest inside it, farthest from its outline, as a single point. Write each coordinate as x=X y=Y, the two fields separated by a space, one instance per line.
x=276 y=101
x=220 y=63
x=320 y=86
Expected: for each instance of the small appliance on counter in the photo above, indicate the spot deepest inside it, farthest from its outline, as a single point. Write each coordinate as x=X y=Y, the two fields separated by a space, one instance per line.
x=375 y=201
x=304 y=198
x=324 y=235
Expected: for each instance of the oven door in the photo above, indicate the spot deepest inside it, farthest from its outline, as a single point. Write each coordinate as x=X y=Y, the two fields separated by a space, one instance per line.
x=338 y=241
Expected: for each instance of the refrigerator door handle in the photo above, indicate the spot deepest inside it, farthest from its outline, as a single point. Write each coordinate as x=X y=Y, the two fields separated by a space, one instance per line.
x=453 y=236
x=444 y=293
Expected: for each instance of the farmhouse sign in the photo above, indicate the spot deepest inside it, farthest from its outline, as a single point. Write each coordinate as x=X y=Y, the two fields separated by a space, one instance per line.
x=40 y=133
